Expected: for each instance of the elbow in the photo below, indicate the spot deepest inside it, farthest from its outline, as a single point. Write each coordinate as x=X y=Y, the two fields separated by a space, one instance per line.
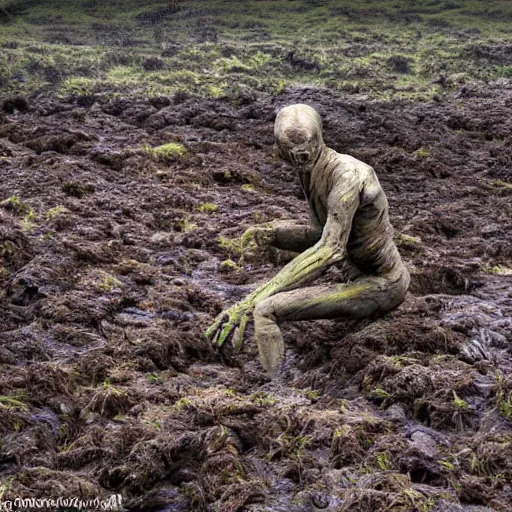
x=338 y=255
x=335 y=251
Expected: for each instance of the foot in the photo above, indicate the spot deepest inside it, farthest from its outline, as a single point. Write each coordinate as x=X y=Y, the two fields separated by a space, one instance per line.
x=270 y=343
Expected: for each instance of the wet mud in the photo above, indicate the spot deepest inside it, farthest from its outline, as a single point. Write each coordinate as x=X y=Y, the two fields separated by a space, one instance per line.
x=111 y=267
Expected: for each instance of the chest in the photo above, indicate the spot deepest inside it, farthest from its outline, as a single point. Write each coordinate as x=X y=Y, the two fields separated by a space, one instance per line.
x=316 y=194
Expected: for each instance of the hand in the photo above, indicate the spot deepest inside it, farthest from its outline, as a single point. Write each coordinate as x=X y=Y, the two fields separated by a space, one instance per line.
x=262 y=235
x=231 y=321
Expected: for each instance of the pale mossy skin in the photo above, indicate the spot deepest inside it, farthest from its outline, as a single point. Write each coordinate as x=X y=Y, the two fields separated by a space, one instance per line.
x=342 y=295
x=345 y=200
x=410 y=45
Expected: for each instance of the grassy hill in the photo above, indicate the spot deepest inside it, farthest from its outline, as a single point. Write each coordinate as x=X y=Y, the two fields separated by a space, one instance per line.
x=382 y=49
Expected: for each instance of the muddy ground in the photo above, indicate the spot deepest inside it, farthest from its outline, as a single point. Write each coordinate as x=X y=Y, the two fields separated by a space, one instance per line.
x=111 y=270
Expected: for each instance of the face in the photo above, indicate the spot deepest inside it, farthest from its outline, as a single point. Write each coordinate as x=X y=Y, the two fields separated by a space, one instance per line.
x=298 y=132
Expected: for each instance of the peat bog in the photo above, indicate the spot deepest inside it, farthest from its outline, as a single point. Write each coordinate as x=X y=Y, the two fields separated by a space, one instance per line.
x=136 y=146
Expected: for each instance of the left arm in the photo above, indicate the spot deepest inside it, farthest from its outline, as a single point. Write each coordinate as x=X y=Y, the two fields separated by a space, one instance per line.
x=342 y=204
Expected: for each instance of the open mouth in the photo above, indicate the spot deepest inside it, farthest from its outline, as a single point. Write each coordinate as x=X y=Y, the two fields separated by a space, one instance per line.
x=299 y=157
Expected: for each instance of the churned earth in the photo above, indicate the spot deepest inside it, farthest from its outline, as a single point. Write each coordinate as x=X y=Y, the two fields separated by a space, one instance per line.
x=116 y=256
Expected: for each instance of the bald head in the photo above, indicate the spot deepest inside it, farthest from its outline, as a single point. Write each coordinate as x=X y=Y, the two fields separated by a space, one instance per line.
x=298 y=132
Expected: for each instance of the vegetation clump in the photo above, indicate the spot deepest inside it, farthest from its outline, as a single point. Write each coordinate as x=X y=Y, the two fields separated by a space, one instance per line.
x=166 y=152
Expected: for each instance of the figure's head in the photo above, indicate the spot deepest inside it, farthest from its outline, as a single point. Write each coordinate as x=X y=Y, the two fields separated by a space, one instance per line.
x=298 y=132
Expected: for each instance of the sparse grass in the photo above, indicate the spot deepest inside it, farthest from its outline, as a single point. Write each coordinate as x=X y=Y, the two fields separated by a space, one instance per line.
x=29 y=220
x=13 y=403
x=505 y=405
x=311 y=394
x=229 y=266
x=459 y=402
x=447 y=464
x=233 y=246
x=107 y=398
x=109 y=50
x=123 y=73
x=254 y=63
x=155 y=378
x=208 y=208
x=263 y=398
x=166 y=152
x=500 y=270
x=79 y=86
x=5 y=486
x=379 y=392
x=157 y=424
x=183 y=403
x=186 y=225
x=56 y=212
x=240 y=247
x=422 y=152
x=503 y=396
x=292 y=447
x=402 y=361
x=383 y=461
x=110 y=282
x=17 y=205
x=502 y=184
x=496 y=187
x=505 y=71
x=419 y=501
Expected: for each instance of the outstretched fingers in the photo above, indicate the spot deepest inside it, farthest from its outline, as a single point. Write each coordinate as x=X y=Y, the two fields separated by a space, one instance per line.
x=226 y=331
x=239 y=333
x=232 y=322
x=212 y=331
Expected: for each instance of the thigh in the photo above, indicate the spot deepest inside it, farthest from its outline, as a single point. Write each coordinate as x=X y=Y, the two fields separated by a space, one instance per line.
x=361 y=298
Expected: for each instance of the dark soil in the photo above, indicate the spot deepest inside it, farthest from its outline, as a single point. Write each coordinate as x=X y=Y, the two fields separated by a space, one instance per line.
x=105 y=299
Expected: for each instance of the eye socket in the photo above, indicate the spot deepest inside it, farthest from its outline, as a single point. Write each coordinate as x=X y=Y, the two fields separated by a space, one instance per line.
x=281 y=151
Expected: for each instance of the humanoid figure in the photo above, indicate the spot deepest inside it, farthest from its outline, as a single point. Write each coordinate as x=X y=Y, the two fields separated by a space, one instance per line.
x=349 y=227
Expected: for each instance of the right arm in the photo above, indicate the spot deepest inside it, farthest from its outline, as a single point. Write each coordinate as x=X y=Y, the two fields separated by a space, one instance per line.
x=283 y=235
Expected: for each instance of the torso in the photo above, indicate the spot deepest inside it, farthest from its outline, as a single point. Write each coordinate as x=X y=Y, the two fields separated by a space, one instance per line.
x=370 y=246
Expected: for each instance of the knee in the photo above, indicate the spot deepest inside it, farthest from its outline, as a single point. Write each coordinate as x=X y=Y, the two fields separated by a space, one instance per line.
x=404 y=283
x=265 y=309
x=398 y=290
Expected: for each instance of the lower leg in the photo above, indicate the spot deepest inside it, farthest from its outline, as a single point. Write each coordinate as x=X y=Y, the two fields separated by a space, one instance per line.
x=361 y=299
x=269 y=338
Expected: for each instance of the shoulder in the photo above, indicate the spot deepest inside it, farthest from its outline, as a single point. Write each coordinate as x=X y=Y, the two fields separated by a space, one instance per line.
x=349 y=173
x=350 y=166
x=354 y=181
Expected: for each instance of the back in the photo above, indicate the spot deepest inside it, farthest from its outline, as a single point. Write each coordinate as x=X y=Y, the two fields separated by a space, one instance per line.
x=370 y=246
